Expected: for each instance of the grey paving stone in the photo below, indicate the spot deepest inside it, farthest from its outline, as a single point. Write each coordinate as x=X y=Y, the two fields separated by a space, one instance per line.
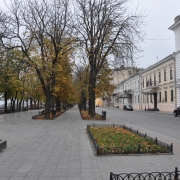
x=45 y=178
x=16 y=178
x=60 y=149
x=33 y=174
x=47 y=174
x=31 y=178
x=60 y=178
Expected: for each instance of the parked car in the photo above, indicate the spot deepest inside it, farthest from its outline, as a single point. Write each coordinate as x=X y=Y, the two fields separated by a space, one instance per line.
x=176 y=112
x=127 y=108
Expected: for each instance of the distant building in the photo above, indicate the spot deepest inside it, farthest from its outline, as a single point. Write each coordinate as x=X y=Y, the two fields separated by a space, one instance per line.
x=119 y=75
x=122 y=73
x=128 y=92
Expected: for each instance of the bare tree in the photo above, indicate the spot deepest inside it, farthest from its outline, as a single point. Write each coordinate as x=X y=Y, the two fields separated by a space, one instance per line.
x=106 y=28
x=81 y=70
x=41 y=30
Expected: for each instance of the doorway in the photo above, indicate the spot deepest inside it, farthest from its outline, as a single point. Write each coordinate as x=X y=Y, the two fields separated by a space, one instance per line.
x=155 y=100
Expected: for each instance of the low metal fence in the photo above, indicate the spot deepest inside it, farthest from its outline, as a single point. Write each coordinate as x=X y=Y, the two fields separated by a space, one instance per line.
x=147 y=176
x=139 y=149
x=40 y=114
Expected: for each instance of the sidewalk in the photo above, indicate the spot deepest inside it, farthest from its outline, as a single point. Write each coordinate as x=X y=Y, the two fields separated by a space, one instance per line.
x=60 y=150
x=160 y=112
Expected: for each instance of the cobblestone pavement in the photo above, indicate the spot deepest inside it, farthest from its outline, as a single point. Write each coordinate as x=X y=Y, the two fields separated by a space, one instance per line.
x=60 y=150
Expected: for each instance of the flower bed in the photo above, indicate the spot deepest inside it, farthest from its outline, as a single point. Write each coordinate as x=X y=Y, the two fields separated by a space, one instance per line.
x=119 y=139
x=86 y=116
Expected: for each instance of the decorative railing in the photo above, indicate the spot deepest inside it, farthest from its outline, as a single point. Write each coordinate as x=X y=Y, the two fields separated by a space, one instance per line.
x=147 y=176
x=139 y=149
x=151 y=83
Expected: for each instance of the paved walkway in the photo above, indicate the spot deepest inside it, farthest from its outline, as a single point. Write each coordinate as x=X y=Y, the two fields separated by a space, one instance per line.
x=60 y=150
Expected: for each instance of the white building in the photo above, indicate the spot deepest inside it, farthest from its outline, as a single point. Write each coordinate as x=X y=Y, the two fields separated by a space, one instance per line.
x=158 y=86
x=176 y=28
x=128 y=92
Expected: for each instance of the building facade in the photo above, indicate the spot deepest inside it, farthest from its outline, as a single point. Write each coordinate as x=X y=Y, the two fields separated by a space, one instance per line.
x=128 y=92
x=119 y=75
x=176 y=28
x=153 y=88
x=158 y=84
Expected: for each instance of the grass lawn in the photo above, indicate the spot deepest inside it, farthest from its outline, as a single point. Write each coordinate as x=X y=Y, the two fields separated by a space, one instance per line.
x=86 y=116
x=116 y=137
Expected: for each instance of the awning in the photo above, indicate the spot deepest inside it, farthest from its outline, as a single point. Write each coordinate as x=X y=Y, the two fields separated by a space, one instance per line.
x=125 y=96
x=114 y=94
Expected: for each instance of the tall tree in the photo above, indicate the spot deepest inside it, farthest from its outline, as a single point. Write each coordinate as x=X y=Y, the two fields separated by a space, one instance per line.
x=104 y=28
x=104 y=85
x=38 y=29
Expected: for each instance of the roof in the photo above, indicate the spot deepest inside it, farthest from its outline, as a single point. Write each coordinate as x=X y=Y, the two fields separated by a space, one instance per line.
x=168 y=58
x=176 y=23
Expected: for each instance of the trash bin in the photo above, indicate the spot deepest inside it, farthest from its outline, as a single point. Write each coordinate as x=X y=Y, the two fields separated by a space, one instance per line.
x=104 y=114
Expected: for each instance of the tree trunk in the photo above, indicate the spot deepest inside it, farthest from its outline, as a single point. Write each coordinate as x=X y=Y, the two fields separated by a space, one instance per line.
x=35 y=105
x=17 y=104
x=5 y=101
x=13 y=105
x=31 y=106
x=48 y=104
x=27 y=104
x=38 y=104
x=92 y=95
x=52 y=110
x=83 y=100
x=19 y=107
x=58 y=104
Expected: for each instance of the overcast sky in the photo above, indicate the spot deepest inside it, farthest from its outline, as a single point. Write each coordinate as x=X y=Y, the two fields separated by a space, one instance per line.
x=159 y=41
x=161 y=14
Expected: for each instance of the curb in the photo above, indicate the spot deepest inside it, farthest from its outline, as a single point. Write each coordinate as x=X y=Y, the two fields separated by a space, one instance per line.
x=157 y=112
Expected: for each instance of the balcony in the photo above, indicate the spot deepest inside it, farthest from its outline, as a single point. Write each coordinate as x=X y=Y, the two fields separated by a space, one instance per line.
x=129 y=91
x=151 y=84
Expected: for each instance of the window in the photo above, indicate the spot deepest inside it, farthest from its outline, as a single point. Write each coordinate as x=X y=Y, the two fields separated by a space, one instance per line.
x=138 y=98
x=150 y=81
x=154 y=79
x=172 y=98
x=159 y=77
x=143 y=82
x=164 y=74
x=135 y=99
x=146 y=82
x=165 y=96
x=171 y=73
x=159 y=96
x=151 y=98
x=135 y=85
